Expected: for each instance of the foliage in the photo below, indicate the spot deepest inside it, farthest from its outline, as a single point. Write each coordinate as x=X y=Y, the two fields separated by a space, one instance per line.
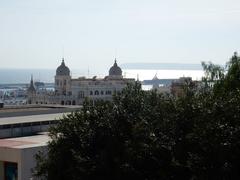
x=146 y=135
x=222 y=80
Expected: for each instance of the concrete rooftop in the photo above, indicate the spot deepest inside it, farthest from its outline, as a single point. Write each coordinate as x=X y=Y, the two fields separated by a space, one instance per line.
x=25 y=142
x=29 y=110
x=30 y=119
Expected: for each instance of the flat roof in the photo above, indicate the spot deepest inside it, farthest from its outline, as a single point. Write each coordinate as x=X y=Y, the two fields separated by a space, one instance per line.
x=25 y=142
x=30 y=110
x=30 y=119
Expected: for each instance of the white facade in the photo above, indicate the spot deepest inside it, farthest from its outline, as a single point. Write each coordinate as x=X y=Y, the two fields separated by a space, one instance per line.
x=17 y=156
x=70 y=91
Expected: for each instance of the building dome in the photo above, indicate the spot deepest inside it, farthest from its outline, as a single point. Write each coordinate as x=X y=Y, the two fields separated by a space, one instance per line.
x=115 y=70
x=63 y=70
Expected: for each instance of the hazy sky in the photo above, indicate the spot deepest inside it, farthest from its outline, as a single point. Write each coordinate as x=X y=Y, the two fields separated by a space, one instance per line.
x=92 y=32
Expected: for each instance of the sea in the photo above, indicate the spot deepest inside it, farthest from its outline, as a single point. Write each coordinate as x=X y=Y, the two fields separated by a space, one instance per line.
x=23 y=76
x=13 y=79
x=146 y=74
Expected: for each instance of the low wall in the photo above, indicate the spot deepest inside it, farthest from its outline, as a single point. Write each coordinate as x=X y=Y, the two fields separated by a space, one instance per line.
x=25 y=129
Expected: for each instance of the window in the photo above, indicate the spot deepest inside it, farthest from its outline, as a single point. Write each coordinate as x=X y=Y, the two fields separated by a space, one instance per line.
x=96 y=93
x=81 y=94
x=73 y=102
x=91 y=93
x=10 y=170
x=102 y=93
x=108 y=92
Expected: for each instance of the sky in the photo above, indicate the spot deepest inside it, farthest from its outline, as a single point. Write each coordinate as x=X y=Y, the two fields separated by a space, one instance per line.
x=91 y=33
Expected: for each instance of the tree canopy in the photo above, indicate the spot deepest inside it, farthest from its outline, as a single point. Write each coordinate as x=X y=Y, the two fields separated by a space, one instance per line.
x=145 y=135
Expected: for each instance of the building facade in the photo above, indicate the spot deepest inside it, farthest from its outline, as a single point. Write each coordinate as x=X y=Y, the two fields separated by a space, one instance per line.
x=178 y=87
x=70 y=91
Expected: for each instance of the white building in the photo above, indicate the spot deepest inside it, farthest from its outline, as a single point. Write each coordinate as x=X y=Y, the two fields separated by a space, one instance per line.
x=17 y=156
x=69 y=91
x=23 y=135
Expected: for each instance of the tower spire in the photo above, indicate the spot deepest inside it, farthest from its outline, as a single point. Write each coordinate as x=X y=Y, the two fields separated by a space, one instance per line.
x=63 y=63
x=31 y=88
x=31 y=79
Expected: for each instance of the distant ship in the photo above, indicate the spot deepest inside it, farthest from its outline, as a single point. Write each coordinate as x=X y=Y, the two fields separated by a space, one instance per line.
x=156 y=81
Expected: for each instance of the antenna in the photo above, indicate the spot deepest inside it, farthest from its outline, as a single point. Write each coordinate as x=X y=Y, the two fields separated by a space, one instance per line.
x=115 y=53
x=88 y=72
x=63 y=51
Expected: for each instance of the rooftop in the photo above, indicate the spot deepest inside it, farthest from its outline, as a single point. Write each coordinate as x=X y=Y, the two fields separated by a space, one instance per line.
x=30 y=119
x=29 y=110
x=25 y=142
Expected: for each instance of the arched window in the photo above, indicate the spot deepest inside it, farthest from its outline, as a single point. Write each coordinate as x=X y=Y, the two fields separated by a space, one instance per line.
x=73 y=102
x=91 y=93
x=96 y=93
x=102 y=93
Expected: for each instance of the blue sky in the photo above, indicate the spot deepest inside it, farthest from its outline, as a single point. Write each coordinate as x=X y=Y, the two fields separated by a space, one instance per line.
x=92 y=32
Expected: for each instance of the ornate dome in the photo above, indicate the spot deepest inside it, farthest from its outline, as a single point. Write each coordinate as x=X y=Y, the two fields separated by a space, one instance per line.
x=63 y=70
x=115 y=70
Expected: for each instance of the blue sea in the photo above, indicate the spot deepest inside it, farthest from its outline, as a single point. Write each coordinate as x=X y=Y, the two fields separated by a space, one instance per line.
x=23 y=76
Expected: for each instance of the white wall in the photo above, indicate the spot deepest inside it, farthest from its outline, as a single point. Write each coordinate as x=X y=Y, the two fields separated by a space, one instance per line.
x=25 y=158
x=28 y=161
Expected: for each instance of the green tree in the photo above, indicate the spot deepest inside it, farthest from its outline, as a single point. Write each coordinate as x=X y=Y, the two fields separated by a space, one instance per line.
x=122 y=139
x=147 y=136
x=222 y=79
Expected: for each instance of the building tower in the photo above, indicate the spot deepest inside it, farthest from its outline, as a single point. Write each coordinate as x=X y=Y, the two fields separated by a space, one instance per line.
x=63 y=80
x=115 y=72
x=31 y=92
